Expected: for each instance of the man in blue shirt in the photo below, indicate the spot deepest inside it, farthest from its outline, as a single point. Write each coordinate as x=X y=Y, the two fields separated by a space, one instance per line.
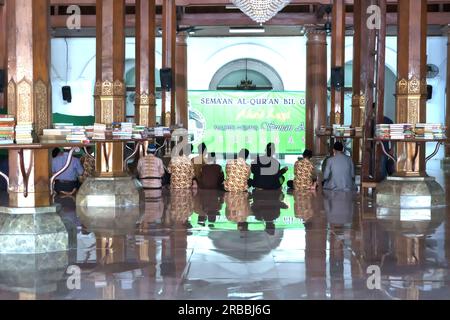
x=67 y=183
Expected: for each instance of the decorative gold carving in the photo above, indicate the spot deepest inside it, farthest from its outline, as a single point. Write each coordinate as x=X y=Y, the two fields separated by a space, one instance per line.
x=337 y=117
x=411 y=94
x=107 y=88
x=12 y=102
x=110 y=101
x=119 y=106
x=143 y=115
x=412 y=86
x=24 y=101
x=168 y=118
x=359 y=100
x=104 y=88
x=413 y=108
x=145 y=99
x=107 y=111
x=144 y=102
x=119 y=88
x=41 y=106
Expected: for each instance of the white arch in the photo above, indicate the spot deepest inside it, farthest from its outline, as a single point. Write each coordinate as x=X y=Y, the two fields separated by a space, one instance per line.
x=241 y=51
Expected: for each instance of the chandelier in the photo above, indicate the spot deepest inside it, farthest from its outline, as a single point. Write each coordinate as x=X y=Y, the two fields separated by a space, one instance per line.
x=260 y=11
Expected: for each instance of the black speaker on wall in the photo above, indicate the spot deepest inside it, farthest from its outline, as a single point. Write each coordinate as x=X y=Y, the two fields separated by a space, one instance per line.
x=166 y=78
x=337 y=78
x=2 y=81
x=429 y=92
x=67 y=94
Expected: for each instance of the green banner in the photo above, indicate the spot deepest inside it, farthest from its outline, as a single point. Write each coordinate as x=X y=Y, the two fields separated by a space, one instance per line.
x=228 y=121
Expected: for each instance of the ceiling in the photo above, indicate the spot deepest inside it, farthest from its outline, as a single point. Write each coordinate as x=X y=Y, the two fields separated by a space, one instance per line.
x=213 y=18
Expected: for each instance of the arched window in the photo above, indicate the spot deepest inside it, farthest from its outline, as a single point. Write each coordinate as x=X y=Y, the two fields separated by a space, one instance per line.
x=246 y=74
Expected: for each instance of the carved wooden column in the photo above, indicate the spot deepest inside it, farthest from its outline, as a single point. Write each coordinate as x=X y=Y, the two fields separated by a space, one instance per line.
x=316 y=90
x=169 y=26
x=3 y=60
x=29 y=97
x=110 y=85
x=411 y=81
x=338 y=60
x=358 y=99
x=411 y=188
x=363 y=78
x=145 y=62
x=447 y=110
x=181 y=81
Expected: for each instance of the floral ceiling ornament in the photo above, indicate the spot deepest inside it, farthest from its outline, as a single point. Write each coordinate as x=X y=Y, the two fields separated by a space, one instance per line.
x=261 y=11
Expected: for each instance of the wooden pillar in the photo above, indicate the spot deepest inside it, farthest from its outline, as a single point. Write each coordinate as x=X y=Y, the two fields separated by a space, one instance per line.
x=3 y=60
x=411 y=81
x=169 y=26
x=447 y=110
x=380 y=92
x=181 y=81
x=316 y=90
x=357 y=98
x=145 y=63
x=29 y=97
x=338 y=60
x=364 y=48
x=110 y=85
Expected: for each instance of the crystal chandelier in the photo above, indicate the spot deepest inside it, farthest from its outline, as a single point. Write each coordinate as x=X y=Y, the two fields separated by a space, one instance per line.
x=261 y=11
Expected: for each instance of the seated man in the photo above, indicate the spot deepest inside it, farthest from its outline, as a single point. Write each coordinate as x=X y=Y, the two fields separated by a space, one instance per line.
x=151 y=170
x=199 y=161
x=305 y=178
x=211 y=177
x=266 y=171
x=181 y=172
x=339 y=172
x=67 y=183
x=238 y=173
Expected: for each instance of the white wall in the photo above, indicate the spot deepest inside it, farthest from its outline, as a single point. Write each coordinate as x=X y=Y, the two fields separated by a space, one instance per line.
x=287 y=55
x=78 y=72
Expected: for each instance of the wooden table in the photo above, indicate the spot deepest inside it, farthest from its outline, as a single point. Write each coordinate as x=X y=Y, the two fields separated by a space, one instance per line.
x=139 y=143
x=439 y=143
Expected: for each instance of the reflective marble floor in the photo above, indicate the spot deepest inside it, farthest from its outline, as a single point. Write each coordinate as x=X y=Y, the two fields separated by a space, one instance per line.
x=261 y=245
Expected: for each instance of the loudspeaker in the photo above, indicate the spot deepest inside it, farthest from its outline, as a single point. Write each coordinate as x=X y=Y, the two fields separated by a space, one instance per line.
x=429 y=92
x=337 y=78
x=2 y=81
x=166 y=79
x=67 y=94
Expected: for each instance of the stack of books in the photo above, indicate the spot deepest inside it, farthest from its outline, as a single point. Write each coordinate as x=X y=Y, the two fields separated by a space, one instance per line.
x=159 y=132
x=399 y=131
x=54 y=135
x=343 y=131
x=77 y=135
x=166 y=132
x=7 y=123
x=122 y=131
x=383 y=131
x=24 y=133
x=99 y=131
x=429 y=131
x=138 y=132
x=89 y=131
